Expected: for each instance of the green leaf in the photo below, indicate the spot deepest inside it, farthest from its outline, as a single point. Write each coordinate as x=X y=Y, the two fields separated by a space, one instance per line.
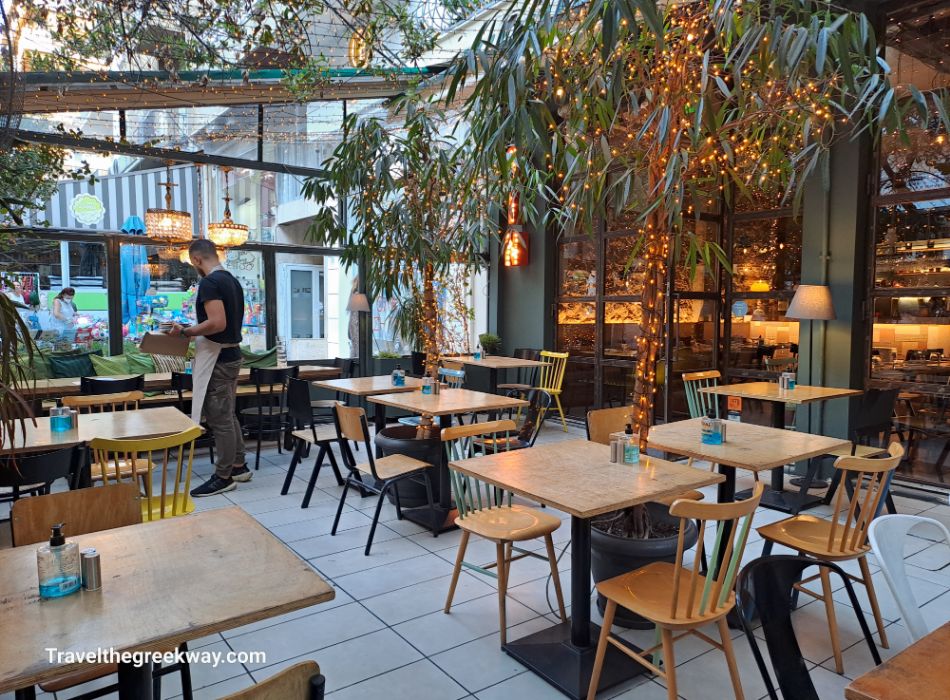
x=821 y=50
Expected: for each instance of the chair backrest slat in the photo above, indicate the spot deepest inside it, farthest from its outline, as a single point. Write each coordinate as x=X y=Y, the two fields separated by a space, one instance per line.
x=869 y=479
x=551 y=375
x=101 y=403
x=604 y=421
x=461 y=442
x=454 y=378
x=699 y=403
x=733 y=521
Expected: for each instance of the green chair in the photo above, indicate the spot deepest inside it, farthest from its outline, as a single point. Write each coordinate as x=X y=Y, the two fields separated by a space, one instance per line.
x=700 y=403
x=488 y=511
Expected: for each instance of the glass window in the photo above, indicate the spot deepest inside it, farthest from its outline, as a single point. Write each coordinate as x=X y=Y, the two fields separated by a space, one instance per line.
x=913 y=245
x=39 y=269
x=621 y=329
x=248 y=267
x=575 y=328
x=759 y=331
x=702 y=279
x=767 y=255
x=578 y=269
x=624 y=273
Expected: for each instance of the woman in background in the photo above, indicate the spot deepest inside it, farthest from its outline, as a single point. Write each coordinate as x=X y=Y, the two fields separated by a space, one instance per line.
x=64 y=314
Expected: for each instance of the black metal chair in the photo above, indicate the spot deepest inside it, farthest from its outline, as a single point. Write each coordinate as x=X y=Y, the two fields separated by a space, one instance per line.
x=323 y=408
x=530 y=420
x=182 y=382
x=307 y=431
x=104 y=385
x=268 y=416
x=764 y=587
x=417 y=363
x=527 y=377
x=384 y=472
x=33 y=475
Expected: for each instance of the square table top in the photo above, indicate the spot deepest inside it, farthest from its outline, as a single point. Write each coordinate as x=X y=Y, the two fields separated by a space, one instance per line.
x=163 y=583
x=771 y=391
x=448 y=402
x=576 y=476
x=751 y=447
x=917 y=673
x=138 y=423
x=497 y=362
x=368 y=386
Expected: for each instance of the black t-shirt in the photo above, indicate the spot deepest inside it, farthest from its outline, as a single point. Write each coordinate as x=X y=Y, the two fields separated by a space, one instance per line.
x=222 y=286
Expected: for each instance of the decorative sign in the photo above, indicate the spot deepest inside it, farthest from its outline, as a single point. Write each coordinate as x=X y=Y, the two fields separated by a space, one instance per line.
x=739 y=308
x=87 y=208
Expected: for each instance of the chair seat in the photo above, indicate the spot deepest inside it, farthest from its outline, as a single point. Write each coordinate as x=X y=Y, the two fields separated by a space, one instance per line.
x=125 y=468
x=325 y=403
x=263 y=411
x=394 y=465
x=648 y=591
x=690 y=495
x=325 y=433
x=410 y=420
x=155 y=512
x=514 y=523
x=515 y=386
x=808 y=534
x=859 y=451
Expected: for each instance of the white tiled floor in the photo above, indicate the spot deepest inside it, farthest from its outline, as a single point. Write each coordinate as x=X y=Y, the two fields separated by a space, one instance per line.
x=385 y=635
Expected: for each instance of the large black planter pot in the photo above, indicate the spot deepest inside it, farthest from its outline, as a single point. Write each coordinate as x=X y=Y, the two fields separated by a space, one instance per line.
x=402 y=440
x=611 y=556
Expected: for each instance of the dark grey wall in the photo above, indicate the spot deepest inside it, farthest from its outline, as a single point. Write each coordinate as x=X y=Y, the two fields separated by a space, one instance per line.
x=525 y=296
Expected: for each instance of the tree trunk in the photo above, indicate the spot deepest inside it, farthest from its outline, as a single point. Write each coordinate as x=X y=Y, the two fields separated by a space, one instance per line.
x=430 y=337
x=651 y=323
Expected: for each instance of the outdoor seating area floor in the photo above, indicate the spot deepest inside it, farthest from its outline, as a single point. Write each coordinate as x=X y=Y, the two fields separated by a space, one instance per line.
x=385 y=635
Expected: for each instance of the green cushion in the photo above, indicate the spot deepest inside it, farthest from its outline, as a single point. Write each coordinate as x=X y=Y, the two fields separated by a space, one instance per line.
x=268 y=358
x=111 y=366
x=140 y=363
x=72 y=365
x=37 y=369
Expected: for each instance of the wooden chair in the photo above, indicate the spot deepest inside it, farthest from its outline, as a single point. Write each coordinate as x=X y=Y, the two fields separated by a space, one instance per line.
x=487 y=511
x=106 y=385
x=843 y=536
x=105 y=403
x=700 y=403
x=309 y=432
x=528 y=421
x=84 y=511
x=134 y=460
x=526 y=376
x=323 y=408
x=386 y=472
x=678 y=599
x=551 y=378
x=301 y=681
x=268 y=416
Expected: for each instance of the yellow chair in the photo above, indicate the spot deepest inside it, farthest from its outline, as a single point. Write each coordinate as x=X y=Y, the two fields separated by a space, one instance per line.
x=551 y=378
x=678 y=599
x=134 y=460
x=843 y=536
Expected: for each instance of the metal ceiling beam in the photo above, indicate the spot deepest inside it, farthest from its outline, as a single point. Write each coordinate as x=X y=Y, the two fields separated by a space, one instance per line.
x=83 y=143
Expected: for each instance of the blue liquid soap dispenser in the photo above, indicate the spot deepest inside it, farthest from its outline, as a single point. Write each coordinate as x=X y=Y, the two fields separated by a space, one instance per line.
x=58 y=566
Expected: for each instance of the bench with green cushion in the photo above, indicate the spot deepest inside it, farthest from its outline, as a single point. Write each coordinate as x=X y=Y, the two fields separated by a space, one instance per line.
x=268 y=358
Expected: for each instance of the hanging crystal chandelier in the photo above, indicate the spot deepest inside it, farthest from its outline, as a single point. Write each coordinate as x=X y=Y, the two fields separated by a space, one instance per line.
x=170 y=253
x=168 y=224
x=226 y=233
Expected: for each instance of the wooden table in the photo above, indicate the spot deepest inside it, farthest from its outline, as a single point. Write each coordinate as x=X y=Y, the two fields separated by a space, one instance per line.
x=444 y=405
x=917 y=673
x=154 y=381
x=370 y=386
x=576 y=476
x=163 y=583
x=751 y=447
x=141 y=423
x=775 y=496
x=493 y=363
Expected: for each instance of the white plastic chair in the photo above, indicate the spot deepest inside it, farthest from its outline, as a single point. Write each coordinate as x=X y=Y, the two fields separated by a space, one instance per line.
x=887 y=534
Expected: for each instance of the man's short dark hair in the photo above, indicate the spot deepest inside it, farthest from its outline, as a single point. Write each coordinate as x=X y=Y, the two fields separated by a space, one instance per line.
x=202 y=248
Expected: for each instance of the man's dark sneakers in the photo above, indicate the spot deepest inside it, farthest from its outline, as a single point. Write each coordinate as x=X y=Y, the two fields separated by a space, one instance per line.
x=241 y=473
x=213 y=486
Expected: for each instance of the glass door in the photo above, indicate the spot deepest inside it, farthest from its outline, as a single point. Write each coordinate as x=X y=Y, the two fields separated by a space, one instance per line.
x=301 y=321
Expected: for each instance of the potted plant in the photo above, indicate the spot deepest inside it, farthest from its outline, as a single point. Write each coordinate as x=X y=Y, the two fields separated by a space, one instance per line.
x=491 y=343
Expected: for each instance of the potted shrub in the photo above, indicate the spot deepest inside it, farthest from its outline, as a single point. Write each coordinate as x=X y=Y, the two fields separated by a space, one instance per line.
x=491 y=343
x=627 y=539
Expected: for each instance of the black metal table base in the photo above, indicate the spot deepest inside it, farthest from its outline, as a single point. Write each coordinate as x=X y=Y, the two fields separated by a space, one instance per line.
x=550 y=654
x=784 y=501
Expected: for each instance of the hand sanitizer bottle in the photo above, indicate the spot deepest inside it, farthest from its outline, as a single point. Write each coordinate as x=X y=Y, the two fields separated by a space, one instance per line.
x=399 y=376
x=711 y=429
x=631 y=446
x=58 y=566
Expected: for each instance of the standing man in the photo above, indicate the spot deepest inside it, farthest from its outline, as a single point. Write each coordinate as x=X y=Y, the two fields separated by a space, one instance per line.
x=220 y=310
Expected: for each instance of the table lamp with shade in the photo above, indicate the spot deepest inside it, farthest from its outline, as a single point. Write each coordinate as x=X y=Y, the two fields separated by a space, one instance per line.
x=358 y=302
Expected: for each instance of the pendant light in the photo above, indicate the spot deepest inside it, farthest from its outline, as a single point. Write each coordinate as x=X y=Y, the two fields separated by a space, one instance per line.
x=227 y=233
x=168 y=224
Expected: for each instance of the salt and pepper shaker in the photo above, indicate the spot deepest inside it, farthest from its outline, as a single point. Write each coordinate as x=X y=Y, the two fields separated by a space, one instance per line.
x=90 y=569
